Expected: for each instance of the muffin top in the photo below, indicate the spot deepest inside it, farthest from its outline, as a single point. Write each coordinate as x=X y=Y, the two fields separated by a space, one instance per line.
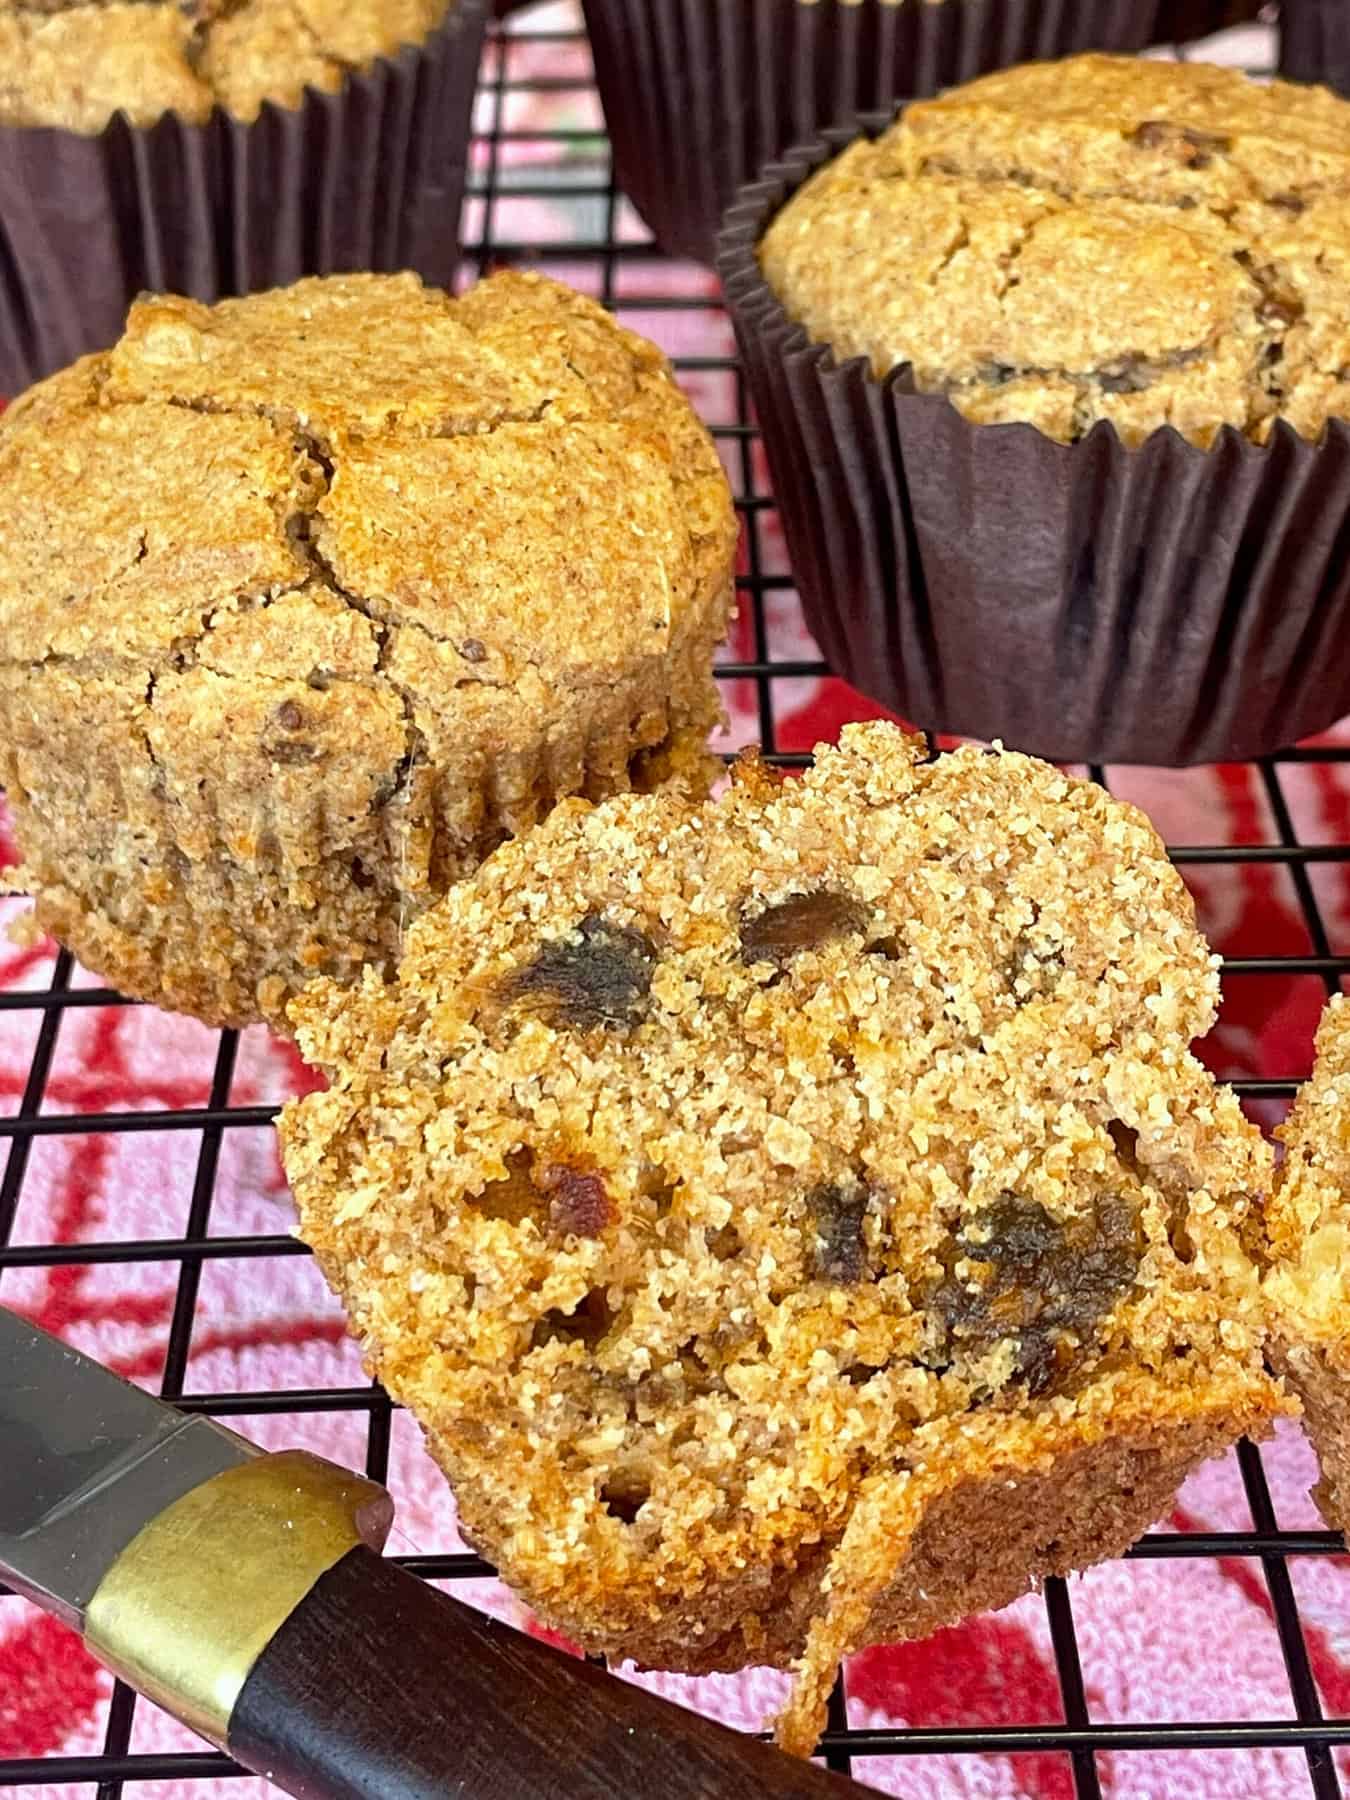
x=359 y=502
x=1143 y=242
x=75 y=65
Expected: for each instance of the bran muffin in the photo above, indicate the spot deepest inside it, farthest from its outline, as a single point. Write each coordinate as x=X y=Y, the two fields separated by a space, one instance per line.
x=1306 y=1289
x=1054 y=379
x=219 y=148
x=75 y=65
x=307 y=600
x=797 y=1220
x=1148 y=243
x=699 y=95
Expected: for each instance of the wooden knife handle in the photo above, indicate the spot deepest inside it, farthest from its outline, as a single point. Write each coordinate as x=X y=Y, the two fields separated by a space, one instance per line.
x=378 y=1687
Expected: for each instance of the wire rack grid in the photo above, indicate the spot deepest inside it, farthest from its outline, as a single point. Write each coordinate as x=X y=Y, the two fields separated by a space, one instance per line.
x=605 y=250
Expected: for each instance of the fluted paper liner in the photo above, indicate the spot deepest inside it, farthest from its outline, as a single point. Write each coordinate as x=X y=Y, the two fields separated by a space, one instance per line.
x=700 y=94
x=369 y=177
x=1085 y=602
x=1315 y=42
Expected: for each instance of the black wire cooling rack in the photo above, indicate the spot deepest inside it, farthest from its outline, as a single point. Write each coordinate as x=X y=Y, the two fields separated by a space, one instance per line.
x=604 y=250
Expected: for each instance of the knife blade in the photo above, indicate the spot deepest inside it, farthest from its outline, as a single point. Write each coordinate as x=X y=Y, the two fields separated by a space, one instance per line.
x=243 y=1591
x=88 y=1460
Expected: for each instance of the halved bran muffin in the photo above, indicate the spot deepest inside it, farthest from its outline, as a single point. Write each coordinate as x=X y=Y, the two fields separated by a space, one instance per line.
x=797 y=1220
x=1307 y=1286
x=309 y=599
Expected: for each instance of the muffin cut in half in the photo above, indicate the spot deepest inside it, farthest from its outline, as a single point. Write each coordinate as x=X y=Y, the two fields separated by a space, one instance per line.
x=797 y=1220
x=308 y=599
x=1307 y=1285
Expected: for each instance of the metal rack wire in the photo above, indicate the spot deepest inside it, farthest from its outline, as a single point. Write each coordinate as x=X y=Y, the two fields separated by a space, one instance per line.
x=602 y=249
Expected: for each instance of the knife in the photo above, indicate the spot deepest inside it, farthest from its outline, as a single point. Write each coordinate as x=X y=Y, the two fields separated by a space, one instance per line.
x=244 y=1592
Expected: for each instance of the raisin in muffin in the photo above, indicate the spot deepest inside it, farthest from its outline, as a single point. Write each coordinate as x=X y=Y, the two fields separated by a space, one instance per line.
x=1307 y=1286
x=308 y=600
x=1148 y=243
x=797 y=1220
x=75 y=65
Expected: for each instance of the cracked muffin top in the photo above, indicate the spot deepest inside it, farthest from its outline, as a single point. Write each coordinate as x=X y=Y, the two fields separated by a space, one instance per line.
x=1142 y=242
x=75 y=65
x=430 y=483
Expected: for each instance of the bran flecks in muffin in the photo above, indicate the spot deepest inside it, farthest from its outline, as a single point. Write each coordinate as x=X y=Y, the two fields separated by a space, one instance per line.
x=1148 y=243
x=307 y=600
x=1307 y=1284
x=797 y=1220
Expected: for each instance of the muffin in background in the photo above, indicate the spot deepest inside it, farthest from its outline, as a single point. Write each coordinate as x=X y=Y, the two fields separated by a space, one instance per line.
x=1315 y=42
x=309 y=599
x=219 y=151
x=700 y=94
x=1052 y=378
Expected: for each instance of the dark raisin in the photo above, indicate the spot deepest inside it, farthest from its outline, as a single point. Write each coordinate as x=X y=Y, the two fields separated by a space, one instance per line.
x=838 y=1251
x=1194 y=149
x=563 y=1196
x=586 y=1324
x=473 y=650
x=1290 y=203
x=578 y=1201
x=801 y=922
x=289 y=716
x=599 y=975
x=1036 y=1278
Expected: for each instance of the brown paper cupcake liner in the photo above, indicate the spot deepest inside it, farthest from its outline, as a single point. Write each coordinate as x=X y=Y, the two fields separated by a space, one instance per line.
x=1183 y=21
x=1085 y=602
x=699 y=94
x=1315 y=42
x=369 y=177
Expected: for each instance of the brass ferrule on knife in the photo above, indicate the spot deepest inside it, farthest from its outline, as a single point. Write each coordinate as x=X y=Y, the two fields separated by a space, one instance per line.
x=194 y=1599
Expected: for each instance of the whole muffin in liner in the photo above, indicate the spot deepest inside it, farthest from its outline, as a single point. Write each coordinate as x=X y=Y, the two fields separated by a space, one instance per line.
x=309 y=600
x=1163 y=604
x=700 y=94
x=369 y=177
x=1315 y=42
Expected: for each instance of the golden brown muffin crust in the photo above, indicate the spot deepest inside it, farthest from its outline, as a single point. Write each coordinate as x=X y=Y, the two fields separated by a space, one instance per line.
x=1104 y=238
x=75 y=65
x=364 y=578
x=724 y=1186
